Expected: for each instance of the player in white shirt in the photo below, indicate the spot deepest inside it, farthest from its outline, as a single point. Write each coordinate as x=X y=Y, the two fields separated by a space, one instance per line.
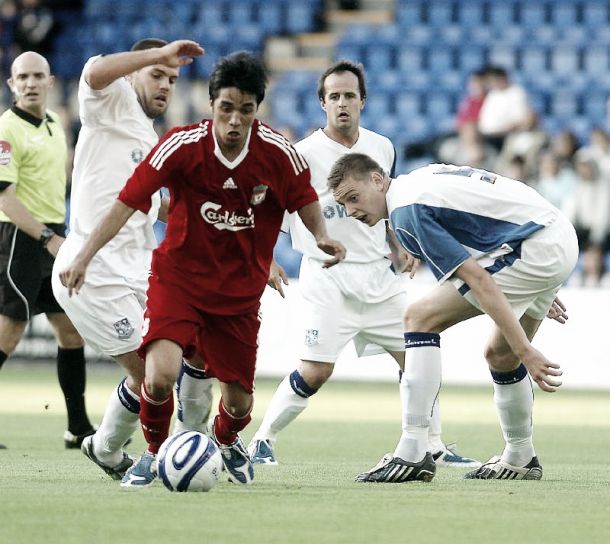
x=119 y=96
x=496 y=247
x=361 y=299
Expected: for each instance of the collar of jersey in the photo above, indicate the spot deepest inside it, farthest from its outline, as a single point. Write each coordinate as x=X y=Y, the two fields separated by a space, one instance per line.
x=32 y=119
x=235 y=163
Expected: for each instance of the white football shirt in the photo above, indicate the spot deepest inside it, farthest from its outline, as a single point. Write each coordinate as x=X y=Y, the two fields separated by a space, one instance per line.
x=115 y=136
x=363 y=243
x=444 y=214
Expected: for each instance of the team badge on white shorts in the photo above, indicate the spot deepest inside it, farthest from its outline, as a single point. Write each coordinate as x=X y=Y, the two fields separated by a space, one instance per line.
x=311 y=337
x=123 y=328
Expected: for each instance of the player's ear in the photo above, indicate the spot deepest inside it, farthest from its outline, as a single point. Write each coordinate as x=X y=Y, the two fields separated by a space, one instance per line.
x=322 y=104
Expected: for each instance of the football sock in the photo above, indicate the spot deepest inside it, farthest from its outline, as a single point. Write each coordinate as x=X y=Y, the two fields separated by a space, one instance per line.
x=3 y=357
x=227 y=426
x=514 y=399
x=194 y=394
x=155 y=416
x=118 y=424
x=289 y=400
x=419 y=386
x=72 y=380
x=435 y=442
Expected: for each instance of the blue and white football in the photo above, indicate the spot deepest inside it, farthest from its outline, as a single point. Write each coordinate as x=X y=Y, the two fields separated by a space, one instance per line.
x=189 y=461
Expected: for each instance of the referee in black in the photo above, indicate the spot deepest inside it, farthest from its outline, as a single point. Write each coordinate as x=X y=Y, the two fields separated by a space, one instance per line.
x=33 y=155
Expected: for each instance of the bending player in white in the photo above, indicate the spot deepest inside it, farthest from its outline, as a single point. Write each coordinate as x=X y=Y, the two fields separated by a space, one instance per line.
x=496 y=247
x=120 y=95
x=360 y=299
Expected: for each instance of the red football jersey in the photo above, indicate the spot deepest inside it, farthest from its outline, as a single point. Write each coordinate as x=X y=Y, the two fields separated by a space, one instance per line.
x=224 y=217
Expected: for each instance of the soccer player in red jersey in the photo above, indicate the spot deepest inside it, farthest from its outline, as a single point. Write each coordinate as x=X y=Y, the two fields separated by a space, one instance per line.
x=230 y=179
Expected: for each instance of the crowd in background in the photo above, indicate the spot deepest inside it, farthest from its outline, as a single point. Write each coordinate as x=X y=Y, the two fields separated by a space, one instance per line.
x=496 y=129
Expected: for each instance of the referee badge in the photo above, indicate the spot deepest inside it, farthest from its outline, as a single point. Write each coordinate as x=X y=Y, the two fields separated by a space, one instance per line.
x=5 y=153
x=311 y=337
x=123 y=328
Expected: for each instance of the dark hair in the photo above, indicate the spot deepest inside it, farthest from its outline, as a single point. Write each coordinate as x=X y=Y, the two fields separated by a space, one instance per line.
x=354 y=165
x=496 y=71
x=148 y=43
x=339 y=68
x=242 y=70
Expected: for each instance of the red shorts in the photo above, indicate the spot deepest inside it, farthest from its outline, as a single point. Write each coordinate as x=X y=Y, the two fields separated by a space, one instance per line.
x=227 y=344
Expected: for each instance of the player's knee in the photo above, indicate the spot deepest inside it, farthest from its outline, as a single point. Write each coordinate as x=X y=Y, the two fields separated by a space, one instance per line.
x=159 y=385
x=500 y=359
x=416 y=318
x=315 y=374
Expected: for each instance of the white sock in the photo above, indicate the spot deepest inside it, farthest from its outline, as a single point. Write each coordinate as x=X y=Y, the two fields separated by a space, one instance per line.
x=419 y=387
x=284 y=408
x=514 y=399
x=121 y=419
x=435 y=442
x=194 y=393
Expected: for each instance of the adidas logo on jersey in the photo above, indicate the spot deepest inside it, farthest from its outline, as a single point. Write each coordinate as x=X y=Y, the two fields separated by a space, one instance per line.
x=229 y=184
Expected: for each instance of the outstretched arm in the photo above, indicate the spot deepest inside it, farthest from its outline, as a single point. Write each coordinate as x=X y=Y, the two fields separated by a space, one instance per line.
x=495 y=304
x=311 y=215
x=73 y=277
x=106 y=69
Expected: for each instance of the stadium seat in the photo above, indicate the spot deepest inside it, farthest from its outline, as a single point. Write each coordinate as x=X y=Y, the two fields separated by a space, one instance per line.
x=595 y=14
x=469 y=14
x=409 y=13
x=410 y=59
x=501 y=14
x=533 y=60
x=379 y=58
x=564 y=14
x=531 y=14
x=440 y=59
x=596 y=59
x=565 y=59
x=269 y=17
x=378 y=104
x=504 y=55
x=407 y=104
x=439 y=105
x=564 y=105
x=438 y=13
x=595 y=106
x=471 y=57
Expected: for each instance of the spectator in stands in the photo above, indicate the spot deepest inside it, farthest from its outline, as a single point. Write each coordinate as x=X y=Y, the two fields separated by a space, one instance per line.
x=504 y=109
x=564 y=145
x=470 y=106
x=554 y=183
x=523 y=146
x=34 y=27
x=467 y=147
x=589 y=211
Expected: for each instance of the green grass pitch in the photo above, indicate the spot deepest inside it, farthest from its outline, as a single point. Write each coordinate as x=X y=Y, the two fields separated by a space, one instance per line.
x=49 y=494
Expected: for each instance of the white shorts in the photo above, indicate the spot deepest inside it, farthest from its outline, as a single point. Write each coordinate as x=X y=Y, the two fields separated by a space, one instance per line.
x=108 y=312
x=360 y=302
x=531 y=282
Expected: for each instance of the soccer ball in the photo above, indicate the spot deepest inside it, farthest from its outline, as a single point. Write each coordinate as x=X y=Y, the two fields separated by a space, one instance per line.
x=189 y=461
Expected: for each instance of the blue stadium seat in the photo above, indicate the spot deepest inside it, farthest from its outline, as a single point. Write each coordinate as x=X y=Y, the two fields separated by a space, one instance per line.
x=595 y=106
x=239 y=13
x=564 y=14
x=471 y=57
x=388 y=81
x=378 y=104
x=469 y=14
x=379 y=58
x=501 y=14
x=349 y=52
x=564 y=105
x=440 y=59
x=531 y=14
x=596 y=59
x=410 y=59
x=504 y=55
x=300 y=17
x=270 y=17
x=565 y=59
x=439 y=105
x=438 y=13
x=284 y=104
x=407 y=104
x=409 y=13
x=533 y=60
x=595 y=14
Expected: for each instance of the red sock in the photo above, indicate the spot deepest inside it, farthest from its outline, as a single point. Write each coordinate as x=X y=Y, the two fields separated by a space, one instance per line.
x=226 y=426
x=155 y=417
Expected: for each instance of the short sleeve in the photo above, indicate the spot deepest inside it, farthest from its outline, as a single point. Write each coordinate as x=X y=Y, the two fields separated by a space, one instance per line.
x=153 y=173
x=417 y=228
x=10 y=156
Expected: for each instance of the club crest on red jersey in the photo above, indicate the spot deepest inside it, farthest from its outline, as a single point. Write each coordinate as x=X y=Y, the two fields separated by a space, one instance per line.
x=258 y=194
x=5 y=153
